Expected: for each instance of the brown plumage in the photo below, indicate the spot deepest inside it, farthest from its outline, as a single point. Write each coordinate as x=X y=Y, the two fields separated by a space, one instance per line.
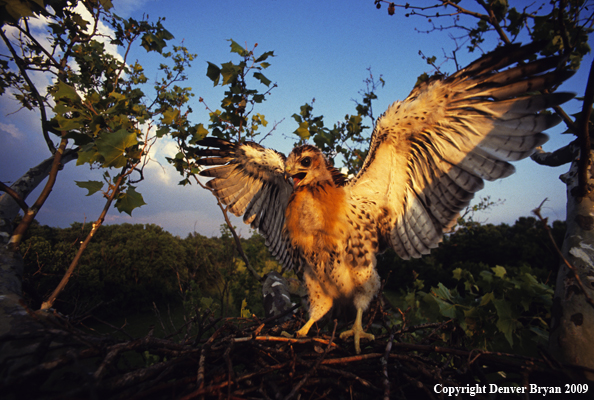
x=428 y=156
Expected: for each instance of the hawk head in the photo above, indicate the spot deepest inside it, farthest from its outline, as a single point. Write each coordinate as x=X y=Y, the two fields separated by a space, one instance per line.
x=307 y=165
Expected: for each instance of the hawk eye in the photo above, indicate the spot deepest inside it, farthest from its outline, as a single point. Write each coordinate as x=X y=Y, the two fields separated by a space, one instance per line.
x=306 y=162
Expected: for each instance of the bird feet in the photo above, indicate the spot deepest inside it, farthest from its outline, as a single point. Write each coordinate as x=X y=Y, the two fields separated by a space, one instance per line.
x=358 y=333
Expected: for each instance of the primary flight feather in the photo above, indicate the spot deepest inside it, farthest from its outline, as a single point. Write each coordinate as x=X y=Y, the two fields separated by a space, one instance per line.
x=429 y=154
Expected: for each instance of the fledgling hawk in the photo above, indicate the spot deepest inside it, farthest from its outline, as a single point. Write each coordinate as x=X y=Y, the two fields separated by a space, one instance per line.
x=429 y=154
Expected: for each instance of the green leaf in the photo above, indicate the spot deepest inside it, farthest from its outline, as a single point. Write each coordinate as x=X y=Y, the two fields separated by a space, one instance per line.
x=236 y=48
x=229 y=72
x=487 y=298
x=107 y=5
x=245 y=312
x=170 y=116
x=446 y=308
x=91 y=186
x=152 y=42
x=129 y=201
x=302 y=131
x=213 y=72
x=443 y=292
x=264 y=57
x=64 y=91
x=88 y=154
x=112 y=146
x=200 y=133
x=499 y=271
x=162 y=131
x=262 y=78
x=505 y=323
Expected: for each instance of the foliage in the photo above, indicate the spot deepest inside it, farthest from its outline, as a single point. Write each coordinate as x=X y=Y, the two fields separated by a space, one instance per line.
x=125 y=269
x=493 y=280
x=236 y=118
x=128 y=267
x=497 y=311
x=95 y=101
x=348 y=138
x=475 y=248
x=565 y=25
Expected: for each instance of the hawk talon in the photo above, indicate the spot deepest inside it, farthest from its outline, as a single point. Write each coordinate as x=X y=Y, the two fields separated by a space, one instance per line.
x=357 y=332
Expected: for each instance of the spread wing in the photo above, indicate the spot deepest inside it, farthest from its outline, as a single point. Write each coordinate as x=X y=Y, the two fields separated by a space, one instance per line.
x=430 y=153
x=249 y=179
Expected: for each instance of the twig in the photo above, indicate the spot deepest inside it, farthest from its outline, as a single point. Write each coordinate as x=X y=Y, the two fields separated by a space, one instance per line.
x=285 y=339
x=15 y=197
x=385 y=358
x=578 y=280
x=235 y=235
x=310 y=372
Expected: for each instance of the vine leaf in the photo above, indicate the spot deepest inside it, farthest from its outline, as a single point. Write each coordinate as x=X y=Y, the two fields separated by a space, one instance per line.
x=129 y=201
x=112 y=146
x=92 y=186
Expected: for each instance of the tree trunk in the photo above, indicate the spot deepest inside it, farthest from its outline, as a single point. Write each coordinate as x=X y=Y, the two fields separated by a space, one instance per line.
x=572 y=323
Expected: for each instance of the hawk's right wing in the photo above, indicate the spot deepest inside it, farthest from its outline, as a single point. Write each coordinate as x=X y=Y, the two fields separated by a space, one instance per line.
x=249 y=179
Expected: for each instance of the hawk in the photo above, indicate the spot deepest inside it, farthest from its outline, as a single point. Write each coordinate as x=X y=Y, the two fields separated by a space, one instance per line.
x=428 y=155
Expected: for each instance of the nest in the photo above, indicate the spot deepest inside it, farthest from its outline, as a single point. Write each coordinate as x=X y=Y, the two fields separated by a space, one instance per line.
x=248 y=358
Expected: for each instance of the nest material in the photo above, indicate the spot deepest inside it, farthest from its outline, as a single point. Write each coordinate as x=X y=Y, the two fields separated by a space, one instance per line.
x=250 y=359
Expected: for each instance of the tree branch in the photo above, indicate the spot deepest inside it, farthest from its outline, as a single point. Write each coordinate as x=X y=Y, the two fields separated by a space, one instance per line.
x=584 y=136
x=15 y=196
x=28 y=218
x=21 y=65
x=46 y=305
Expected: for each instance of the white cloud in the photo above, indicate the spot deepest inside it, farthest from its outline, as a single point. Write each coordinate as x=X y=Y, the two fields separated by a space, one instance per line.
x=12 y=130
x=158 y=167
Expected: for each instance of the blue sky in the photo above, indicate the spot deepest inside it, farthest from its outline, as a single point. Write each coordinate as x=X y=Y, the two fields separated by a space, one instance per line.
x=322 y=50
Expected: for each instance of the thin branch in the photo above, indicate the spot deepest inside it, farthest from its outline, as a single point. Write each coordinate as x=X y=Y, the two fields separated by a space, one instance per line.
x=578 y=280
x=28 y=218
x=234 y=233
x=15 y=196
x=21 y=66
x=46 y=305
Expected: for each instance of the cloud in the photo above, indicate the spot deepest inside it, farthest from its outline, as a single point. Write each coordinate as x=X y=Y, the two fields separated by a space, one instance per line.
x=158 y=167
x=12 y=130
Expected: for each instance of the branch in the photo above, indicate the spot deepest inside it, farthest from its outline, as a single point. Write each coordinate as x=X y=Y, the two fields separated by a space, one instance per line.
x=21 y=65
x=561 y=156
x=584 y=136
x=235 y=236
x=15 y=196
x=28 y=218
x=46 y=305
x=578 y=280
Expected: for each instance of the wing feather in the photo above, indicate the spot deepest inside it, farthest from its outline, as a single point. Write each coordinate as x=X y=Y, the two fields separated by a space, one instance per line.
x=430 y=153
x=249 y=179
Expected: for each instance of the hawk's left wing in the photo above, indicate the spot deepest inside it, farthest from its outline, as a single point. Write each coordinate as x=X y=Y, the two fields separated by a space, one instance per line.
x=249 y=179
x=430 y=153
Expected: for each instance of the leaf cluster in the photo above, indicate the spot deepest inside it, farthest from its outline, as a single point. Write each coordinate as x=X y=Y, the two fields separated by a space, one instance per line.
x=97 y=100
x=494 y=281
x=348 y=138
x=235 y=119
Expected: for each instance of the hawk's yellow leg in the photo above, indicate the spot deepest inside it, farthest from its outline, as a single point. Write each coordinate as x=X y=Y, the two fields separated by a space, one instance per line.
x=305 y=329
x=301 y=332
x=357 y=331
